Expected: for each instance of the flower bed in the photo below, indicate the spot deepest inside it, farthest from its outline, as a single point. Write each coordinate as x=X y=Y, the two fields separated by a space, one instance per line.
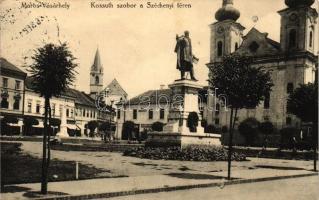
x=191 y=153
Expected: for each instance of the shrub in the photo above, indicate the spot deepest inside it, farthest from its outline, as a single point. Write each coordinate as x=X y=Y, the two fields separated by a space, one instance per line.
x=210 y=129
x=190 y=153
x=224 y=129
x=157 y=126
x=249 y=129
x=192 y=121
x=266 y=128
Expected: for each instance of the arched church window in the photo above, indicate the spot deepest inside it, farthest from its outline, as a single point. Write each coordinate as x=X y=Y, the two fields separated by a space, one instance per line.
x=310 y=38
x=236 y=46
x=97 y=80
x=292 y=38
x=220 y=48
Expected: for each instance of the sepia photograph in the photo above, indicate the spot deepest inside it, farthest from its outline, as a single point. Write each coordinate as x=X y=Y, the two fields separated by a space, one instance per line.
x=159 y=99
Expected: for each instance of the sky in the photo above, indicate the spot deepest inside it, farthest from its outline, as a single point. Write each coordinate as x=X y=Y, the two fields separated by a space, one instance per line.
x=136 y=45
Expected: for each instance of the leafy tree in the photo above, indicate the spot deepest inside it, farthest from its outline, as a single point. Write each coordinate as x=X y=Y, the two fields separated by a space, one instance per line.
x=192 y=121
x=249 y=129
x=243 y=85
x=92 y=125
x=128 y=128
x=52 y=71
x=157 y=126
x=105 y=127
x=303 y=102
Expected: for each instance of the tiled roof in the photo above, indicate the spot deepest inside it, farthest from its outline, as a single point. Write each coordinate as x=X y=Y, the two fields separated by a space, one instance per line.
x=115 y=88
x=274 y=43
x=81 y=97
x=78 y=96
x=29 y=85
x=153 y=95
x=4 y=64
x=157 y=96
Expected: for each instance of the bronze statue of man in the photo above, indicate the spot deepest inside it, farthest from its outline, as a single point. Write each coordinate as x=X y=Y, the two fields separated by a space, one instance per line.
x=185 y=57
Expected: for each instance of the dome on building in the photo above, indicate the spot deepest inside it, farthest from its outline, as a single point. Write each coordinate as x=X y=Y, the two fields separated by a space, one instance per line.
x=299 y=3
x=228 y=11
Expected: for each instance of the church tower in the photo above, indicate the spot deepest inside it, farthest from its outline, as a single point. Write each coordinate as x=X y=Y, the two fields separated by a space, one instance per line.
x=298 y=26
x=96 y=76
x=226 y=33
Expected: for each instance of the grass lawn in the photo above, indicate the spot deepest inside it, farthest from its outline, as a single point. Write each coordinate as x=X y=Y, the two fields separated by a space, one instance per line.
x=17 y=167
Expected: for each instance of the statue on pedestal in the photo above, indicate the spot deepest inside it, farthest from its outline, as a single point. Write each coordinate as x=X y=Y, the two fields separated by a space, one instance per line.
x=185 y=57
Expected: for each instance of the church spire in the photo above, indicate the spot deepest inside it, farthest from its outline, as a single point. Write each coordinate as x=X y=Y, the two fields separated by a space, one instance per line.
x=227 y=12
x=96 y=78
x=97 y=61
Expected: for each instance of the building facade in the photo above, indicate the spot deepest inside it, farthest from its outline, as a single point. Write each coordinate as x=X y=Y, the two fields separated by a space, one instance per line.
x=20 y=100
x=150 y=107
x=12 y=92
x=292 y=61
x=34 y=106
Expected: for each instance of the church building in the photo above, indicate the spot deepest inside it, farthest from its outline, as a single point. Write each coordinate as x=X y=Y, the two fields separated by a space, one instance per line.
x=292 y=60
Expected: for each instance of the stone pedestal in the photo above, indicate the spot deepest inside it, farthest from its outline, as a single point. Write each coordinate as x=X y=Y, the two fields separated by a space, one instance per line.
x=184 y=100
x=63 y=133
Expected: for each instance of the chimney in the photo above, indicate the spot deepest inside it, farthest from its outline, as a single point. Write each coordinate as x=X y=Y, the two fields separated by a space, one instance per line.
x=162 y=86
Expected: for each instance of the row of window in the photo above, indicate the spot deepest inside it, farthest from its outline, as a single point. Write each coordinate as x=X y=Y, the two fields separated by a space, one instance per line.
x=85 y=113
x=5 y=103
x=254 y=46
x=69 y=111
x=150 y=114
x=293 y=38
x=5 y=83
x=220 y=48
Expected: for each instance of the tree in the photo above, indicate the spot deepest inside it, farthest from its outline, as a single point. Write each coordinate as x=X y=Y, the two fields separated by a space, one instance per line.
x=157 y=126
x=249 y=129
x=303 y=102
x=128 y=128
x=266 y=128
x=244 y=86
x=92 y=125
x=52 y=71
x=105 y=127
x=192 y=121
